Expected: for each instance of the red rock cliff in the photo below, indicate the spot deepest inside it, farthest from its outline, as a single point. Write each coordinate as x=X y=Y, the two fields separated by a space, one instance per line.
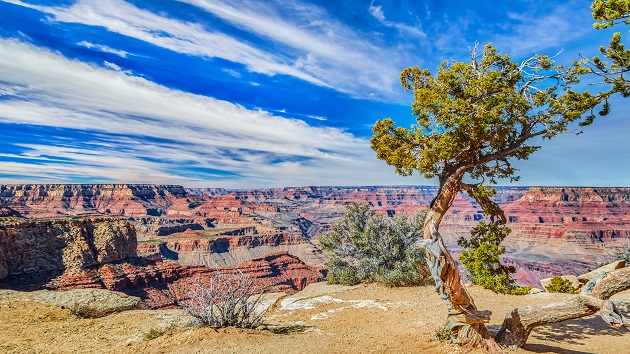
x=40 y=246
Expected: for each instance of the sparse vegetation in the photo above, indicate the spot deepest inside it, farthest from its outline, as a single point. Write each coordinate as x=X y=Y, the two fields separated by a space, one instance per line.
x=85 y=310
x=441 y=334
x=294 y=328
x=481 y=259
x=560 y=285
x=225 y=300
x=156 y=332
x=367 y=247
x=621 y=253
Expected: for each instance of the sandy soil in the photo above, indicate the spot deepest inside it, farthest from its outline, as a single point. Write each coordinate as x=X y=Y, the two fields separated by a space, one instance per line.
x=323 y=319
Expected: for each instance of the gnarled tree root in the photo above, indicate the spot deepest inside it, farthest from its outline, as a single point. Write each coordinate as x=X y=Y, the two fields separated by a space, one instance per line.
x=594 y=298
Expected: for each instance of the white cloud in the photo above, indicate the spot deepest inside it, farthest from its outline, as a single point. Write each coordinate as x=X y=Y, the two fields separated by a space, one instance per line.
x=377 y=13
x=317 y=117
x=312 y=46
x=535 y=32
x=182 y=37
x=103 y=48
x=146 y=132
x=323 y=47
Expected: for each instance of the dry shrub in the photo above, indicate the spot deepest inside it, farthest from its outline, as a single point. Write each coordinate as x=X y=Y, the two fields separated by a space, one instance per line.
x=225 y=300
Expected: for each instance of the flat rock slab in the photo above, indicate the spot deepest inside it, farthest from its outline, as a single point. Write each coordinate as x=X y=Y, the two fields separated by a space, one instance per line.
x=87 y=302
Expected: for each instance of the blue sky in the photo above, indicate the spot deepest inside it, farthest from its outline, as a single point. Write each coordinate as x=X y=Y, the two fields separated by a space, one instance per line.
x=243 y=94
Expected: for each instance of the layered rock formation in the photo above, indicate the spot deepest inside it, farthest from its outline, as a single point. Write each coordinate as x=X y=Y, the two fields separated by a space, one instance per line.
x=56 y=245
x=567 y=230
x=65 y=254
x=78 y=199
x=227 y=251
x=554 y=229
x=164 y=284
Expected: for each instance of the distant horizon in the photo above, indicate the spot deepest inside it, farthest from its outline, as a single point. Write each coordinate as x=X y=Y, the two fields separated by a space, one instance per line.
x=296 y=187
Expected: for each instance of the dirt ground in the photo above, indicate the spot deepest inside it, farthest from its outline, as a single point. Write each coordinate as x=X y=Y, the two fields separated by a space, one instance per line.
x=322 y=319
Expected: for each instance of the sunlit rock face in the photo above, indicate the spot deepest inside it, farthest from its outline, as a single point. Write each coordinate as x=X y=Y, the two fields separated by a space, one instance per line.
x=39 y=246
x=65 y=254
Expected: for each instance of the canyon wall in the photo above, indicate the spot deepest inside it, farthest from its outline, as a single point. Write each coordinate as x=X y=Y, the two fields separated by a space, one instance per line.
x=52 y=245
x=64 y=254
x=554 y=229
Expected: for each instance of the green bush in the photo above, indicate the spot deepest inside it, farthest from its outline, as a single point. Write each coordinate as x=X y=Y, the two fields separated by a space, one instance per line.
x=560 y=285
x=366 y=247
x=481 y=259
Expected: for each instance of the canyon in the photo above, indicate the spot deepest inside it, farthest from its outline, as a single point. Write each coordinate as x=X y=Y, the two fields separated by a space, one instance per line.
x=554 y=230
x=101 y=253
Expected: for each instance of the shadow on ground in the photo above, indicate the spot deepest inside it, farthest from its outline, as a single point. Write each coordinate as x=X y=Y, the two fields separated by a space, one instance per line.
x=573 y=332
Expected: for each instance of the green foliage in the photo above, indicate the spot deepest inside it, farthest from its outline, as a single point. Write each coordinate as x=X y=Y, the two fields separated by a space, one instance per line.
x=610 y=12
x=559 y=285
x=477 y=116
x=615 y=60
x=367 y=247
x=481 y=259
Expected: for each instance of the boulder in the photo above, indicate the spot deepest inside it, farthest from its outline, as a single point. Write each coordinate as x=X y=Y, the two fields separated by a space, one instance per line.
x=585 y=278
x=536 y=291
x=82 y=302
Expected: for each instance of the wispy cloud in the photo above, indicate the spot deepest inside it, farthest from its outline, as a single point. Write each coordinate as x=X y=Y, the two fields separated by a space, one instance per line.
x=378 y=13
x=311 y=45
x=539 y=30
x=103 y=48
x=317 y=117
x=182 y=37
x=147 y=132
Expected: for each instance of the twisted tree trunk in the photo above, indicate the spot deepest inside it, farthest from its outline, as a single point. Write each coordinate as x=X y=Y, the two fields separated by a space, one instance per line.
x=465 y=322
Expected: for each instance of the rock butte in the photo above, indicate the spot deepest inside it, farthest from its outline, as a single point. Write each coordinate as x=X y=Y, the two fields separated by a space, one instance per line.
x=555 y=230
x=65 y=254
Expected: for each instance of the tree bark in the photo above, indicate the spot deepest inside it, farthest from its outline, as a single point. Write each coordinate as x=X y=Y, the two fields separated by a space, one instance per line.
x=594 y=297
x=465 y=321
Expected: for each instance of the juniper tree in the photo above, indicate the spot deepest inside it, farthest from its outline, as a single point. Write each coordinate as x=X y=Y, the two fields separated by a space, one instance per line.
x=614 y=64
x=473 y=120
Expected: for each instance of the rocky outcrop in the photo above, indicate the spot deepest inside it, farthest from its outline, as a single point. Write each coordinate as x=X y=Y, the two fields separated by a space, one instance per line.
x=54 y=245
x=67 y=254
x=78 y=199
x=164 y=284
x=585 y=278
x=227 y=251
x=82 y=302
x=152 y=227
x=6 y=212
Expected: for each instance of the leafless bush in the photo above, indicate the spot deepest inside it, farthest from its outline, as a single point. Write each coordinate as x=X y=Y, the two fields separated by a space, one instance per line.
x=224 y=300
